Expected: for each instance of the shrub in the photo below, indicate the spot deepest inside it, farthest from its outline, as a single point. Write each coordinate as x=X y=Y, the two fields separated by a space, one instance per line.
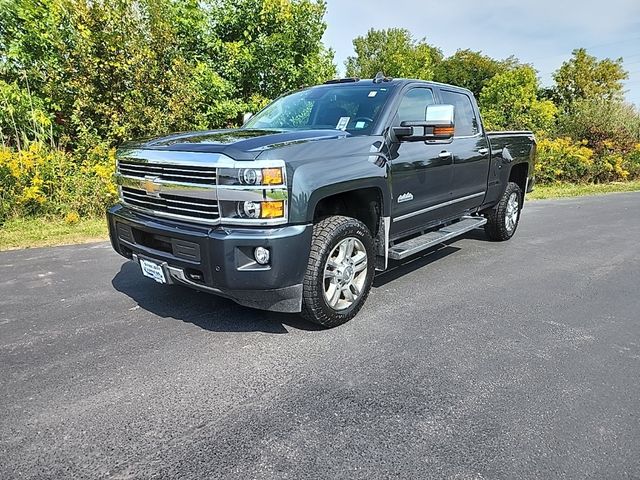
x=23 y=116
x=605 y=125
x=608 y=167
x=40 y=180
x=563 y=160
x=632 y=162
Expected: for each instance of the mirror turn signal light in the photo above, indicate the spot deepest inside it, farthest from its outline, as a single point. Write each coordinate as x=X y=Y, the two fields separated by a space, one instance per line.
x=443 y=131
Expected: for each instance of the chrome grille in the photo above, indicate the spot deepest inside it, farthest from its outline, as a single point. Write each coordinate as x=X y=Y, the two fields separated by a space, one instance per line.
x=197 y=174
x=175 y=205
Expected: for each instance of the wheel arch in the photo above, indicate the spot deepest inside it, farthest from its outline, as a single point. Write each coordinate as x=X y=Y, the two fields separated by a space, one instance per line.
x=364 y=202
x=519 y=174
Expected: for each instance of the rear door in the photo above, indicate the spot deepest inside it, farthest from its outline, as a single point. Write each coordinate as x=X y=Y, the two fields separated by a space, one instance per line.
x=470 y=149
x=420 y=171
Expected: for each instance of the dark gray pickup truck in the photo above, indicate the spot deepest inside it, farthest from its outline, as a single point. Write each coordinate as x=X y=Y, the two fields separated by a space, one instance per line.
x=296 y=210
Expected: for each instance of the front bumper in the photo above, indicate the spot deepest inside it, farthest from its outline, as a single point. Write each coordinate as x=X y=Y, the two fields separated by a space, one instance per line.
x=219 y=259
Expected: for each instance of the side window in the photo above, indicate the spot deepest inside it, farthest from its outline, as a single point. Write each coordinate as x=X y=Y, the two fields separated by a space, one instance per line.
x=413 y=106
x=466 y=122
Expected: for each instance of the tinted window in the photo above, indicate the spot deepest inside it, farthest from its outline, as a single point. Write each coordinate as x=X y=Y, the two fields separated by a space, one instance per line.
x=413 y=106
x=465 y=118
x=354 y=108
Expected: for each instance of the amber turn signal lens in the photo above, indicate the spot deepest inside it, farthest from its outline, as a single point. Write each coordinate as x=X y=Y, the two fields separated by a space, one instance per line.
x=271 y=176
x=272 y=209
x=443 y=131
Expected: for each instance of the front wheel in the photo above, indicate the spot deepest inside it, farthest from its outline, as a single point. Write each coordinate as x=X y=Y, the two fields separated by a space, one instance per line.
x=340 y=271
x=502 y=220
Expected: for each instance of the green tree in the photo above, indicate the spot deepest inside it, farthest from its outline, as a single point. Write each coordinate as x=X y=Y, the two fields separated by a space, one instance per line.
x=471 y=69
x=510 y=101
x=585 y=77
x=394 y=52
x=109 y=71
x=271 y=46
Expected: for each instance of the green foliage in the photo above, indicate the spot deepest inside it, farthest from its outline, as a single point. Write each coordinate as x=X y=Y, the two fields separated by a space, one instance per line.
x=40 y=180
x=510 y=101
x=583 y=77
x=602 y=123
x=23 y=115
x=110 y=71
x=77 y=77
x=271 y=46
x=394 y=52
x=563 y=160
x=632 y=162
x=471 y=70
x=566 y=160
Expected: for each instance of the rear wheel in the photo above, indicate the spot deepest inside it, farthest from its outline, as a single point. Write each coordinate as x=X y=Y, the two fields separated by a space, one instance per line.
x=340 y=271
x=502 y=220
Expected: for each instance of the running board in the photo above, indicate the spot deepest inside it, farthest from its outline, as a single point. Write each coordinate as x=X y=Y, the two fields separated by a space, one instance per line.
x=403 y=250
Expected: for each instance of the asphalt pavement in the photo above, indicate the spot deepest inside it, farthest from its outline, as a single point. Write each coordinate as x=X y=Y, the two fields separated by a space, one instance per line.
x=476 y=360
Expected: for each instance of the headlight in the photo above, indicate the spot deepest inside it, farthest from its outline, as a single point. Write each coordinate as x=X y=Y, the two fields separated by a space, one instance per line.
x=269 y=209
x=249 y=209
x=250 y=176
x=253 y=193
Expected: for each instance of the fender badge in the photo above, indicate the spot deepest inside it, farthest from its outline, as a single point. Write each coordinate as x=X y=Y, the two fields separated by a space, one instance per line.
x=405 y=197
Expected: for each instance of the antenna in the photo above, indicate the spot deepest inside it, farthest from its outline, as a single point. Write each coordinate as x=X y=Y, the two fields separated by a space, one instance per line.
x=380 y=77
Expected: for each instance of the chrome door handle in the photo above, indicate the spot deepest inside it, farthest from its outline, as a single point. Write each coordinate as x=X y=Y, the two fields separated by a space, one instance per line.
x=483 y=151
x=444 y=154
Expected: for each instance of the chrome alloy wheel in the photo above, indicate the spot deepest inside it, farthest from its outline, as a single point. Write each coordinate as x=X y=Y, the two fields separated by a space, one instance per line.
x=511 y=215
x=345 y=273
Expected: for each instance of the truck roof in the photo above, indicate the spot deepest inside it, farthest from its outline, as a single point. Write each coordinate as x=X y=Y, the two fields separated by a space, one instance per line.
x=381 y=80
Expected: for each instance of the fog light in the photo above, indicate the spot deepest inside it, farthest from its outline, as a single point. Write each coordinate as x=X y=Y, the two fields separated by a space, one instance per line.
x=261 y=255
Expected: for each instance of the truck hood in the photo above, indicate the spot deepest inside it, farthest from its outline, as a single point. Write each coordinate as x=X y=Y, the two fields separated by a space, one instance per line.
x=239 y=144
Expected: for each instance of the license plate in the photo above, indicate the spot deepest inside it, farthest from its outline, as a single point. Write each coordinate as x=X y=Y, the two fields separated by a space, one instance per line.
x=152 y=270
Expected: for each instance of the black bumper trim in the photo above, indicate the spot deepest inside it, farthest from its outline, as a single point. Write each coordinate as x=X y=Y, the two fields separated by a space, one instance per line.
x=222 y=250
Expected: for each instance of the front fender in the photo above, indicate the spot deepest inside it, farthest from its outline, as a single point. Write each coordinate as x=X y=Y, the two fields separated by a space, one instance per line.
x=315 y=181
x=317 y=169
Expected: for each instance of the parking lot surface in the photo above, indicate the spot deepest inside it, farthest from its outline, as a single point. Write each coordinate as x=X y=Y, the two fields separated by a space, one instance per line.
x=476 y=360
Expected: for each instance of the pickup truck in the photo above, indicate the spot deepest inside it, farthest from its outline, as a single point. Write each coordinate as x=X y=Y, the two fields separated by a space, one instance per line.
x=296 y=210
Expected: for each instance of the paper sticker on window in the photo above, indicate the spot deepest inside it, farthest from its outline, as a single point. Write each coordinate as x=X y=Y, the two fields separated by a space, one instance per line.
x=342 y=123
x=360 y=124
x=373 y=93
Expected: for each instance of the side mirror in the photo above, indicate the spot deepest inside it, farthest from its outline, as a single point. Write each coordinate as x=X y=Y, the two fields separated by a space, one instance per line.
x=246 y=117
x=438 y=125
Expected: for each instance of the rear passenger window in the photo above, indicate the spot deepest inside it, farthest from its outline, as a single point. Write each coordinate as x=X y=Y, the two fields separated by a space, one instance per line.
x=413 y=106
x=465 y=117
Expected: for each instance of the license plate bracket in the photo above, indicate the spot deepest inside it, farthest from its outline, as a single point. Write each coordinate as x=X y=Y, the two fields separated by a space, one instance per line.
x=152 y=270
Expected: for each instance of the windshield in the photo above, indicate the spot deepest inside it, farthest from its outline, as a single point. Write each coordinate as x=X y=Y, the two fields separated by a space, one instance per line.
x=353 y=108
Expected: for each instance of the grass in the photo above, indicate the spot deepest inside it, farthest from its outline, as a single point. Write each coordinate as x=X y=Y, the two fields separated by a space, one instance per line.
x=562 y=190
x=42 y=232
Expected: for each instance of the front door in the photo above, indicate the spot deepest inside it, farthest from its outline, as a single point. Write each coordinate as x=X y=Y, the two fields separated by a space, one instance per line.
x=420 y=171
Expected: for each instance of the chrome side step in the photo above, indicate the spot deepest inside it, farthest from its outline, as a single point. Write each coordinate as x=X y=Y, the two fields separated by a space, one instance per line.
x=409 y=247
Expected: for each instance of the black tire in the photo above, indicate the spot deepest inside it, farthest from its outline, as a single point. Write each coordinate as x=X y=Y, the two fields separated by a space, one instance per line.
x=327 y=235
x=496 y=227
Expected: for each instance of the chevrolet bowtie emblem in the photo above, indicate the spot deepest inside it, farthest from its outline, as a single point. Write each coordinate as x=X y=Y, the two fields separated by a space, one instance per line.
x=151 y=186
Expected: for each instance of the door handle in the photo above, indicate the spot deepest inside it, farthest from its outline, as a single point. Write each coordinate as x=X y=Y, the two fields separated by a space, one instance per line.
x=444 y=154
x=483 y=151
